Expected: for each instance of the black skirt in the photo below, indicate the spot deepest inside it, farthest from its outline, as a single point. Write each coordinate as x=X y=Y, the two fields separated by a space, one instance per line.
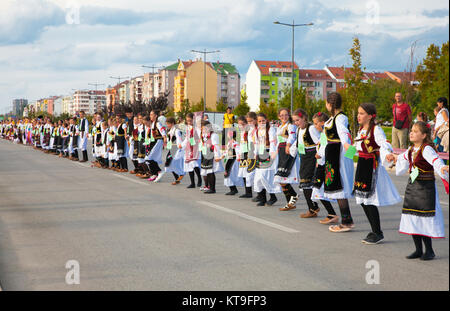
x=228 y=167
x=207 y=164
x=365 y=177
x=420 y=198
x=319 y=176
x=285 y=162
x=332 y=168
x=307 y=167
x=120 y=140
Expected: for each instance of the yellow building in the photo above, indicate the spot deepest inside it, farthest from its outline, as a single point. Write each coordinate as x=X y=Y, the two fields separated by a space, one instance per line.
x=189 y=84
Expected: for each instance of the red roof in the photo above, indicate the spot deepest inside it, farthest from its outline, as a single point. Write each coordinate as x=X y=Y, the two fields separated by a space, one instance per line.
x=313 y=74
x=265 y=65
x=374 y=76
x=190 y=62
x=404 y=76
x=338 y=72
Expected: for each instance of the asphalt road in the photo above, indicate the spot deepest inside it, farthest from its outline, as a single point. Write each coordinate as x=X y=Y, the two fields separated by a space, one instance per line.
x=129 y=234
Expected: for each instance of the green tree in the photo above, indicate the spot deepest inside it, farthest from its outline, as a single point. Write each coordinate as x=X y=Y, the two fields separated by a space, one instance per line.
x=184 y=109
x=270 y=109
x=300 y=95
x=221 y=106
x=243 y=108
x=198 y=106
x=433 y=76
x=355 y=87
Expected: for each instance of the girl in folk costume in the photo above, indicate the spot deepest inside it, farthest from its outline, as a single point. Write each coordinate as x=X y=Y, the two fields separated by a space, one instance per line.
x=59 y=138
x=133 y=139
x=97 y=141
x=51 y=146
x=92 y=135
x=251 y=156
x=338 y=183
x=319 y=120
x=231 y=178
x=110 y=140
x=104 y=146
x=288 y=162
x=47 y=136
x=306 y=143
x=373 y=186
x=83 y=137
x=121 y=143
x=266 y=162
x=175 y=157
x=158 y=140
x=64 y=139
x=421 y=214
x=192 y=152
x=144 y=124
x=211 y=156
x=73 y=142
x=243 y=153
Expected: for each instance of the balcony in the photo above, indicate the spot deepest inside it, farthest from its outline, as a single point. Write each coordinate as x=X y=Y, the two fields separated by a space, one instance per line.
x=265 y=86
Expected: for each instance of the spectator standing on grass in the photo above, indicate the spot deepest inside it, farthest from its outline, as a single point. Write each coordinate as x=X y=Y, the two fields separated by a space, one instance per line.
x=402 y=118
x=440 y=133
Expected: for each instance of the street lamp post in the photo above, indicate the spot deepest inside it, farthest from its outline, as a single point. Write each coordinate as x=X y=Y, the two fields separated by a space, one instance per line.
x=204 y=73
x=96 y=95
x=293 y=25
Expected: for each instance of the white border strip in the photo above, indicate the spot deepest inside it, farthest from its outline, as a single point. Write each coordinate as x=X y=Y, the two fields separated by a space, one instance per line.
x=248 y=217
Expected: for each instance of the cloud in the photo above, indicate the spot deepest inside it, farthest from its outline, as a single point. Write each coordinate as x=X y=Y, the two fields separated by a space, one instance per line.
x=23 y=21
x=41 y=52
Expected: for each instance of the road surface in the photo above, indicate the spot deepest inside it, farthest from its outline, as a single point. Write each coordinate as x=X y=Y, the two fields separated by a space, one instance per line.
x=129 y=234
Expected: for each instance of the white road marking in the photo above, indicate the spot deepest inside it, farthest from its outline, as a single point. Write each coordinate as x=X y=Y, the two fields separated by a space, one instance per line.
x=131 y=179
x=248 y=217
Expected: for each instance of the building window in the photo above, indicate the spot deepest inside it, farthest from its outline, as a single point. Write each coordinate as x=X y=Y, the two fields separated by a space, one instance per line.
x=273 y=92
x=329 y=84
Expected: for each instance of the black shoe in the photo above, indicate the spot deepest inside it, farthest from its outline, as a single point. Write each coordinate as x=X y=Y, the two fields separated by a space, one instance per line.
x=427 y=256
x=246 y=195
x=199 y=184
x=232 y=192
x=261 y=203
x=209 y=191
x=271 y=201
x=259 y=198
x=414 y=255
x=191 y=186
x=373 y=238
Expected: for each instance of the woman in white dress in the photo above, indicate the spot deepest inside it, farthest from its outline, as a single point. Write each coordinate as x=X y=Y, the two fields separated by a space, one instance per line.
x=211 y=156
x=288 y=161
x=175 y=156
x=191 y=151
x=338 y=183
x=266 y=166
x=421 y=214
x=373 y=186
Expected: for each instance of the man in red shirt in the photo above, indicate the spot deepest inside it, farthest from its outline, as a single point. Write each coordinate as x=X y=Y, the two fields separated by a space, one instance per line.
x=402 y=119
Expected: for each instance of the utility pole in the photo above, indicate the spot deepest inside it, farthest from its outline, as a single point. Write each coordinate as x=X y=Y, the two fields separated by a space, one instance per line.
x=204 y=72
x=96 y=85
x=293 y=25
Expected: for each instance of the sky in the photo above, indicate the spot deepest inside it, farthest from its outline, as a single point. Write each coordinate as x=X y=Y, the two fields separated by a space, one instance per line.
x=51 y=47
